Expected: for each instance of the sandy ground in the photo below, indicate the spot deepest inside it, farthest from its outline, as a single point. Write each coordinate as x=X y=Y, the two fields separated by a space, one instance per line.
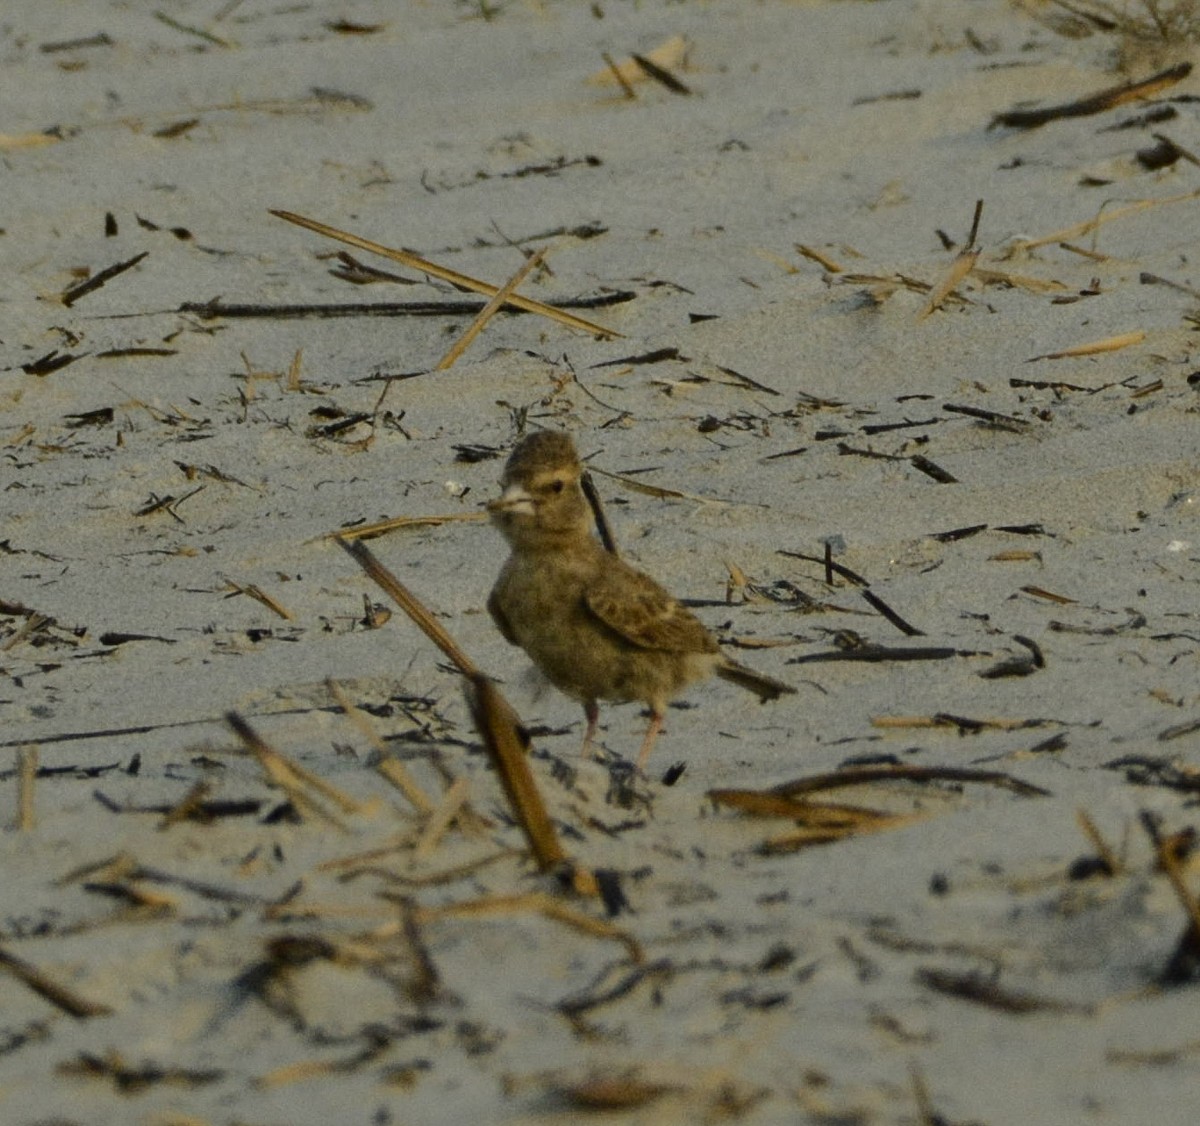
x=770 y=236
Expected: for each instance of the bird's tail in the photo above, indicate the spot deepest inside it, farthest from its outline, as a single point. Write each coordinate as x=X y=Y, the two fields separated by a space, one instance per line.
x=764 y=687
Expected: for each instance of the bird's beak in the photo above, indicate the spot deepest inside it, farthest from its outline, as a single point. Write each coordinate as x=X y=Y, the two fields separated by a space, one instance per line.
x=514 y=499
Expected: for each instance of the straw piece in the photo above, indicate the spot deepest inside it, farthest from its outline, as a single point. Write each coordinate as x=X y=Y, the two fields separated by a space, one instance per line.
x=903 y=722
x=540 y=902
x=599 y=516
x=399 y=776
x=1018 y=281
x=654 y=490
x=494 y=720
x=463 y=281
x=393 y=523
x=821 y=259
x=1088 y=827
x=10 y=141
x=260 y=595
x=441 y=818
x=962 y=265
x=1074 y=231
x=1094 y=347
x=410 y=604
x=187 y=806
x=620 y=79
x=280 y=770
x=500 y=299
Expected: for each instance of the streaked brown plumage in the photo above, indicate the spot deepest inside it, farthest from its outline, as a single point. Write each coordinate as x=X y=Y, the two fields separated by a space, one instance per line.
x=597 y=628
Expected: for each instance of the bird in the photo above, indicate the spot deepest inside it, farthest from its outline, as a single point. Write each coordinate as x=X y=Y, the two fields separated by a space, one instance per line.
x=596 y=627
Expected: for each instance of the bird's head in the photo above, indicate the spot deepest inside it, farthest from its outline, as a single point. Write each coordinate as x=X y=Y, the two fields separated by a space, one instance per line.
x=541 y=503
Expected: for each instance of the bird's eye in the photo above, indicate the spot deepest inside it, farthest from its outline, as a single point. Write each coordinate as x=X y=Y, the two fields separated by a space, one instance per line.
x=557 y=486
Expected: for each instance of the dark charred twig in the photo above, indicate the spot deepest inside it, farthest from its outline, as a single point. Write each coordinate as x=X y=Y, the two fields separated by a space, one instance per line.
x=51 y=362
x=879 y=653
x=1004 y=421
x=858 y=775
x=974 y=987
x=211 y=310
x=746 y=381
x=1096 y=103
x=660 y=74
x=620 y=79
x=932 y=469
x=599 y=515
x=829 y=565
x=57 y=994
x=958 y=533
x=891 y=615
x=97 y=280
x=655 y=357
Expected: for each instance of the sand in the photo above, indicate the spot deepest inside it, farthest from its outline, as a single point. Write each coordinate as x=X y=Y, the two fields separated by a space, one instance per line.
x=766 y=245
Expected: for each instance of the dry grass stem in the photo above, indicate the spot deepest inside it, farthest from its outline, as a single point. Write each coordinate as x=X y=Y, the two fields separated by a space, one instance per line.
x=463 y=281
x=187 y=806
x=392 y=769
x=507 y=749
x=259 y=595
x=620 y=78
x=539 y=902
x=1095 y=347
x=281 y=771
x=654 y=490
x=1018 y=281
x=1066 y=234
x=963 y=264
x=381 y=527
x=953 y=723
x=442 y=817
x=411 y=605
x=356 y=716
x=796 y=839
x=822 y=260
x=1088 y=828
x=1169 y=862
x=498 y=301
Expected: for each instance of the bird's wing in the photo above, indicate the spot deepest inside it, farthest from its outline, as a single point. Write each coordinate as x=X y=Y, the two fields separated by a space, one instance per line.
x=493 y=605
x=636 y=607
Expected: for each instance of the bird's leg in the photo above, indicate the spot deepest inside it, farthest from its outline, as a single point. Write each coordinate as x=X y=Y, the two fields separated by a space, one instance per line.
x=655 y=726
x=592 y=711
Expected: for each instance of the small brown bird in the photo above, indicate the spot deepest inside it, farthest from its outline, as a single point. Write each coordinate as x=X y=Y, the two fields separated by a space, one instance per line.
x=596 y=627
